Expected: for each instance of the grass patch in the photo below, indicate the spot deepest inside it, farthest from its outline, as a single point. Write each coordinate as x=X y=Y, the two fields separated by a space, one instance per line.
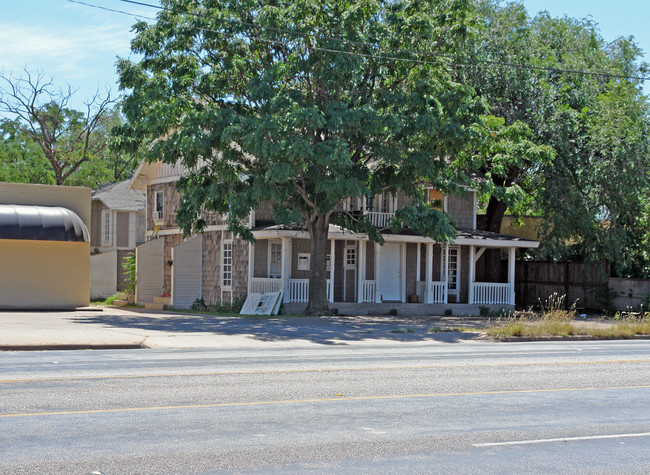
x=554 y=320
x=106 y=301
x=460 y=329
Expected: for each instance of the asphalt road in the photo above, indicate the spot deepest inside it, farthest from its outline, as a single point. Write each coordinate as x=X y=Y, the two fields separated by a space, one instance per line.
x=566 y=407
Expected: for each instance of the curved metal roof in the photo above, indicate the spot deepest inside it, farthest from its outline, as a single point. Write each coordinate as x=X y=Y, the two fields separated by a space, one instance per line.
x=41 y=223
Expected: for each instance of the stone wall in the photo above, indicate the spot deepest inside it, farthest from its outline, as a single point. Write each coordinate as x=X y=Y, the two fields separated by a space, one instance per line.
x=171 y=202
x=212 y=264
x=264 y=214
x=239 y=268
x=212 y=267
x=461 y=210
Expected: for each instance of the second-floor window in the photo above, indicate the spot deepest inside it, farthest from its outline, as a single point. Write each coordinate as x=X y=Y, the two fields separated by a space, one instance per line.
x=159 y=205
x=436 y=197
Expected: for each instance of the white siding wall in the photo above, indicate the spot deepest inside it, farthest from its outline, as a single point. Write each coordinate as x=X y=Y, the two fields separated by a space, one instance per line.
x=103 y=275
x=187 y=273
x=149 y=270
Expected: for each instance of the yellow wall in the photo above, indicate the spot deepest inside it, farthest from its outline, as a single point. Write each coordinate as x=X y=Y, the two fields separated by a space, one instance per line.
x=528 y=230
x=74 y=198
x=40 y=274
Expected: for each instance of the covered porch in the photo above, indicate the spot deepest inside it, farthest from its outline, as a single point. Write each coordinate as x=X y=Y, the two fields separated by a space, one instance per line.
x=407 y=269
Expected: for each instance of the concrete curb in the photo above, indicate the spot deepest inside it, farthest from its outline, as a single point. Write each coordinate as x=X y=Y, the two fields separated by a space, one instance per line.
x=567 y=338
x=55 y=347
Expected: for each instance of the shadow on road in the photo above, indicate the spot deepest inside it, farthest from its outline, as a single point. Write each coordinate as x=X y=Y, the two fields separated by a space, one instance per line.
x=323 y=330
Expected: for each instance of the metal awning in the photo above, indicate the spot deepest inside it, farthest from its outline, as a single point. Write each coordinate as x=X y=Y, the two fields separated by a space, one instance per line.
x=41 y=223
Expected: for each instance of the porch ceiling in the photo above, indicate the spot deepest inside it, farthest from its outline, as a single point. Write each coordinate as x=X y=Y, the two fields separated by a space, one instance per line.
x=464 y=237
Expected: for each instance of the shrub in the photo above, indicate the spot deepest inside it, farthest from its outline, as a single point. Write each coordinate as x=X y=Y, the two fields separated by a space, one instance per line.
x=128 y=264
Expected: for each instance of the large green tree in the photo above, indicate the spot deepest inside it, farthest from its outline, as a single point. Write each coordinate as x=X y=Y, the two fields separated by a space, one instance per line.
x=44 y=140
x=303 y=105
x=531 y=70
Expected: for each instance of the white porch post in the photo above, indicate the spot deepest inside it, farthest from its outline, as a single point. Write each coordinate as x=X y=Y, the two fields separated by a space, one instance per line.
x=332 y=266
x=472 y=275
x=511 y=273
x=362 y=267
x=417 y=259
x=429 y=273
x=377 y=273
x=285 y=267
x=446 y=273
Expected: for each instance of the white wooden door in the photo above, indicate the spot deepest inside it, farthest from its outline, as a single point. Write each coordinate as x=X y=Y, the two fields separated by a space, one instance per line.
x=390 y=272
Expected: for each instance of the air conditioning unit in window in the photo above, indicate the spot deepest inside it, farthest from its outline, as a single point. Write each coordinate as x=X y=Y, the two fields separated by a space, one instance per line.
x=157 y=216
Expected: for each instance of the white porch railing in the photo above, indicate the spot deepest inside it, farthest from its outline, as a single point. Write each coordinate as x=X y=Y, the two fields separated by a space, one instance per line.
x=368 y=289
x=258 y=285
x=436 y=290
x=489 y=293
x=298 y=290
x=381 y=220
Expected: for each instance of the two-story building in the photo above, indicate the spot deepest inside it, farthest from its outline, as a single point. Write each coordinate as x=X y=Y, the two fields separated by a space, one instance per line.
x=408 y=274
x=118 y=226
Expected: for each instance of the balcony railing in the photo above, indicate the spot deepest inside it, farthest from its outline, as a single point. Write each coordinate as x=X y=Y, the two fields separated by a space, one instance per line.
x=380 y=220
x=489 y=293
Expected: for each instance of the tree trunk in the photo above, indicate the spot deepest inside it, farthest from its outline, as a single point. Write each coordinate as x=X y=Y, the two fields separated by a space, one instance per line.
x=318 y=227
x=494 y=217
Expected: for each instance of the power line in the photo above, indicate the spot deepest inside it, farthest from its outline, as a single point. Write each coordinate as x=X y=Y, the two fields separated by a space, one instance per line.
x=455 y=61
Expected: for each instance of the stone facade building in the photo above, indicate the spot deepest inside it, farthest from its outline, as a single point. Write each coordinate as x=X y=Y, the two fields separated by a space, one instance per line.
x=409 y=273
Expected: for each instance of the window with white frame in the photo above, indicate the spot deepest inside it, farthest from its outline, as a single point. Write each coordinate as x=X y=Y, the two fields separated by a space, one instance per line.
x=384 y=200
x=350 y=257
x=453 y=273
x=106 y=228
x=159 y=206
x=275 y=259
x=226 y=264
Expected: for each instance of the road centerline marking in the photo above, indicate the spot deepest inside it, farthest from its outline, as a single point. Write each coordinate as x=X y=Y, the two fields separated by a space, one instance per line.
x=315 y=400
x=317 y=370
x=561 y=439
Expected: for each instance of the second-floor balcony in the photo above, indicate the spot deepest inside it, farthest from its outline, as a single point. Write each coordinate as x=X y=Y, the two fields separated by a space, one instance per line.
x=379 y=219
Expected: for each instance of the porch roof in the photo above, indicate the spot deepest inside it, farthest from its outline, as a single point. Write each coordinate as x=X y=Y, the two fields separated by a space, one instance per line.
x=464 y=237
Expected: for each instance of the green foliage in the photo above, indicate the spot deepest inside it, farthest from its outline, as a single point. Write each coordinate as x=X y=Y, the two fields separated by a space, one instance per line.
x=593 y=193
x=21 y=160
x=303 y=120
x=42 y=140
x=198 y=305
x=128 y=264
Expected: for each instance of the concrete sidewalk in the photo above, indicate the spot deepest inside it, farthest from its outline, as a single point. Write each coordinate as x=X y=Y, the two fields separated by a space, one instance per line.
x=113 y=327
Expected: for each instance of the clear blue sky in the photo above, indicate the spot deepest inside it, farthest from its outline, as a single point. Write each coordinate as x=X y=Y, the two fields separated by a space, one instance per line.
x=78 y=44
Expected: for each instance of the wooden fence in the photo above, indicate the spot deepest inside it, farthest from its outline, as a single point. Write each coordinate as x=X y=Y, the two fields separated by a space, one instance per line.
x=585 y=284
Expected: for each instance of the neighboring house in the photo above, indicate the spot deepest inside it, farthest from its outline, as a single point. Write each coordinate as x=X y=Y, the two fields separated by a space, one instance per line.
x=118 y=226
x=408 y=274
x=44 y=246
